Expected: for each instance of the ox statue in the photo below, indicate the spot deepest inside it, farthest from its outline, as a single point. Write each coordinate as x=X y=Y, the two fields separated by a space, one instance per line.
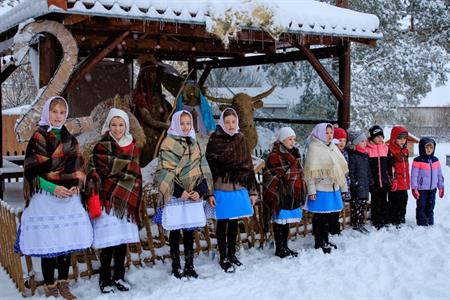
x=244 y=106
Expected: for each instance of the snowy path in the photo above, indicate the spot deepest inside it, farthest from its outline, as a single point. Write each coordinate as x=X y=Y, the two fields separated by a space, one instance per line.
x=409 y=263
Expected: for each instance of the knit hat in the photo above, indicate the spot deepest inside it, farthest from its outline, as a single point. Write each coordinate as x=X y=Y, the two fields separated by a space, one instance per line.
x=339 y=133
x=285 y=132
x=375 y=131
x=356 y=137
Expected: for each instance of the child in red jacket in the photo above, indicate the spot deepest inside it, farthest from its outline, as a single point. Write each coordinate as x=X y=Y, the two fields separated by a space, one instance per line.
x=398 y=157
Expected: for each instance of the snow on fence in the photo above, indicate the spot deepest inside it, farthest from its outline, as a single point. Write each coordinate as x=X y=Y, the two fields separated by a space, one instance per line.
x=153 y=245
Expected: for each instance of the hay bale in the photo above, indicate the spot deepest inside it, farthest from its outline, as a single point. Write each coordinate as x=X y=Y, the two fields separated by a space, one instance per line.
x=99 y=114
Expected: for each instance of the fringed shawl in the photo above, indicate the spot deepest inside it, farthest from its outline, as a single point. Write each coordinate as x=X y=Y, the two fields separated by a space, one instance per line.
x=283 y=178
x=115 y=174
x=324 y=161
x=229 y=158
x=183 y=160
x=58 y=161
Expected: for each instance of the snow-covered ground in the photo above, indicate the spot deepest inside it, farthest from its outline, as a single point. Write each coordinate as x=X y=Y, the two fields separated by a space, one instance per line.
x=408 y=263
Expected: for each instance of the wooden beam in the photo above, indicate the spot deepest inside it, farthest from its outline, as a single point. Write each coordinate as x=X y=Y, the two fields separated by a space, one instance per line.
x=345 y=85
x=323 y=73
x=155 y=45
x=267 y=59
x=204 y=76
x=7 y=72
x=94 y=25
x=50 y=55
x=91 y=61
x=59 y=3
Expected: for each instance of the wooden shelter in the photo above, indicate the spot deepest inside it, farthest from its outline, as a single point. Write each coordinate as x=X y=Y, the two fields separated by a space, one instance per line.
x=200 y=33
x=204 y=34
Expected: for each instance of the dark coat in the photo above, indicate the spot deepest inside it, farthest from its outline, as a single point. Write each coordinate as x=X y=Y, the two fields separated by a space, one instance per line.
x=360 y=174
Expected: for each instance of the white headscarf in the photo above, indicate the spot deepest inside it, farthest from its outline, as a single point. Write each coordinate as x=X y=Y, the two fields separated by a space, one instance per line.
x=45 y=116
x=222 y=124
x=175 y=126
x=127 y=138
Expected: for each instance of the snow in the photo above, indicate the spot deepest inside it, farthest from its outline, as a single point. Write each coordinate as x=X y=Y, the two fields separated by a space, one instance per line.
x=20 y=110
x=408 y=263
x=304 y=16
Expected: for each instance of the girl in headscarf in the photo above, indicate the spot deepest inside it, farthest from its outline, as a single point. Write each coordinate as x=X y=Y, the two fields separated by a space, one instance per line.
x=183 y=178
x=283 y=192
x=325 y=169
x=114 y=175
x=235 y=187
x=54 y=222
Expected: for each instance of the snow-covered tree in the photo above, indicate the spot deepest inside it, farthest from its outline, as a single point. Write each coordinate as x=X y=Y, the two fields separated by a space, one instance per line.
x=19 y=89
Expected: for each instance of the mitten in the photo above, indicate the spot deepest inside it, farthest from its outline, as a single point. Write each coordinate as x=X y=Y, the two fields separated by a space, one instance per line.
x=416 y=194
x=94 y=206
x=441 y=192
x=394 y=186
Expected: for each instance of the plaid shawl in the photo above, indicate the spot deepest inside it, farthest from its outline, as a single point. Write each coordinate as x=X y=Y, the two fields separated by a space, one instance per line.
x=181 y=162
x=115 y=174
x=58 y=161
x=230 y=159
x=283 y=182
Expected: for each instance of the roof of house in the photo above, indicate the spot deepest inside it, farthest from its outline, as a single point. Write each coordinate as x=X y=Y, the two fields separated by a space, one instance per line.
x=300 y=16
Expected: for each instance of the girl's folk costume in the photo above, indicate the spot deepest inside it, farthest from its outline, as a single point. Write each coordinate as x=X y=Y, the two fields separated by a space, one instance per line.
x=115 y=175
x=182 y=167
x=52 y=227
x=283 y=192
x=230 y=161
x=324 y=170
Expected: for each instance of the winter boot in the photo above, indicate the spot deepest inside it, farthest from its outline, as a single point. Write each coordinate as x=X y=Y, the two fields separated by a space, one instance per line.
x=232 y=256
x=189 y=270
x=285 y=241
x=176 y=265
x=280 y=249
x=51 y=290
x=64 y=290
x=122 y=285
x=226 y=265
x=106 y=287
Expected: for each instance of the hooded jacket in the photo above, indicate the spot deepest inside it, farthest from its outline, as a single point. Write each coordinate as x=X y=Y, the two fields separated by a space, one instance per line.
x=399 y=158
x=426 y=172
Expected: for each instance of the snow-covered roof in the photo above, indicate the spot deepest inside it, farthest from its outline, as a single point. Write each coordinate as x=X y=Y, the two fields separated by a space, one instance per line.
x=300 y=16
x=283 y=98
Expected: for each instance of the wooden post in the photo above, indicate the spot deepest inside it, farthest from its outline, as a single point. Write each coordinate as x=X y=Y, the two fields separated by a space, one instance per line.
x=1 y=131
x=345 y=85
x=50 y=54
x=191 y=69
x=91 y=61
x=204 y=76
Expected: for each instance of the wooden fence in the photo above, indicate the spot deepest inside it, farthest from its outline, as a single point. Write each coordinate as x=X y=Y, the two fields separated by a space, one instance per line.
x=147 y=252
x=10 y=145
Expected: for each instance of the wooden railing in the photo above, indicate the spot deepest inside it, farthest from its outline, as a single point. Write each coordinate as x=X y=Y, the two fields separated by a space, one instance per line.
x=147 y=252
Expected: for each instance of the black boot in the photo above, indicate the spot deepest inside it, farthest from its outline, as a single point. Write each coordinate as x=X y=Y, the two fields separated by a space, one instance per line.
x=232 y=233
x=285 y=241
x=189 y=270
x=176 y=266
x=280 y=249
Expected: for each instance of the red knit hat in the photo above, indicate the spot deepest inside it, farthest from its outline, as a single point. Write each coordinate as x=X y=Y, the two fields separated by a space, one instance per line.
x=339 y=133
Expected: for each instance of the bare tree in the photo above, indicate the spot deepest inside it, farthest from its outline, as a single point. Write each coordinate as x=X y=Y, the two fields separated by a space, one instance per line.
x=19 y=89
